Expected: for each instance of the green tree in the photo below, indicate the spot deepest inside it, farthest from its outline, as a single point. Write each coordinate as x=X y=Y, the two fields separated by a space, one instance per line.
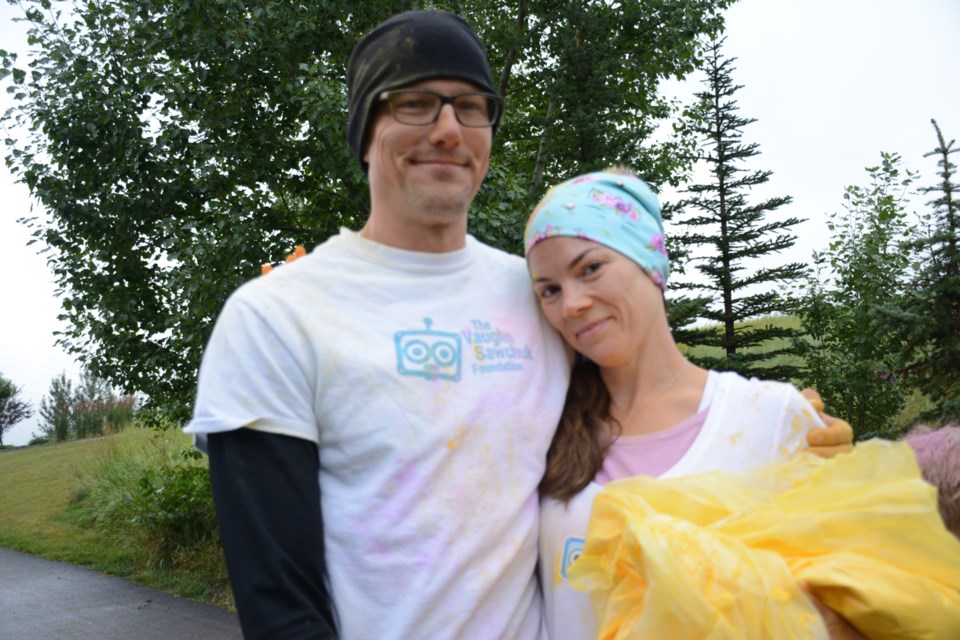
x=928 y=316
x=91 y=408
x=13 y=408
x=733 y=235
x=97 y=409
x=56 y=408
x=849 y=292
x=174 y=147
x=88 y=400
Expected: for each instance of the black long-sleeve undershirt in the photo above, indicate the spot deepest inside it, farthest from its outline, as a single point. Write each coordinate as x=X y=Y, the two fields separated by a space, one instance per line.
x=268 y=505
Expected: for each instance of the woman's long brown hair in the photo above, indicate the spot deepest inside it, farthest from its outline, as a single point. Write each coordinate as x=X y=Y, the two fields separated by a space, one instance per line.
x=583 y=436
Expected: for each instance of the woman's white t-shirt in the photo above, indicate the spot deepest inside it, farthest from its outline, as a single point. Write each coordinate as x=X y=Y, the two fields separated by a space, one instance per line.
x=748 y=423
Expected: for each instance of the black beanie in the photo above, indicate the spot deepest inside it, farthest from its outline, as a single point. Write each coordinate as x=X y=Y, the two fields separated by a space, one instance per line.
x=407 y=48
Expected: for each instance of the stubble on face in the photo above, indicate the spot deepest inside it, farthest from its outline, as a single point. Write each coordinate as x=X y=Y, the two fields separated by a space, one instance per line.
x=442 y=197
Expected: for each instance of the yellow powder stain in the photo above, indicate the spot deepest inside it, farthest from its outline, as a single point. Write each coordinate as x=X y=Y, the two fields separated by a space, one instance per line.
x=457 y=438
x=557 y=576
x=736 y=437
x=797 y=424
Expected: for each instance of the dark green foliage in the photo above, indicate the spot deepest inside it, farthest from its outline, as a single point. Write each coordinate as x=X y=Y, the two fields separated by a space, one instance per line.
x=175 y=147
x=734 y=237
x=683 y=310
x=927 y=316
x=153 y=492
x=581 y=82
x=849 y=292
x=173 y=507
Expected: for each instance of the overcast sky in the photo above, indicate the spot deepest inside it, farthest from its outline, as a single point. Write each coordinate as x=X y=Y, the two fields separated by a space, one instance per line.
x=832 y=83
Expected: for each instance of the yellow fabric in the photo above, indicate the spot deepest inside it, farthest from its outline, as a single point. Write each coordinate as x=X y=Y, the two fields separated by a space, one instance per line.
x=720 y=555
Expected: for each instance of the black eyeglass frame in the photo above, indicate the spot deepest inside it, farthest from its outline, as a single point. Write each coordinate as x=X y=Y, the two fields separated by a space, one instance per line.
x=492 y=98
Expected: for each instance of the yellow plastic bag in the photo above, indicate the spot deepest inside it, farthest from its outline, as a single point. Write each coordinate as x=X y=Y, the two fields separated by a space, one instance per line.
x=720 y=555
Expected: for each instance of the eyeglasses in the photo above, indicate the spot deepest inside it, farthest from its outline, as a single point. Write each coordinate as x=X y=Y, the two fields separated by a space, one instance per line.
x=423 y=107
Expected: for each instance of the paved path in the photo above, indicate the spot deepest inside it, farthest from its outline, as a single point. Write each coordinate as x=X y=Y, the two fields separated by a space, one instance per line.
x=46 y=600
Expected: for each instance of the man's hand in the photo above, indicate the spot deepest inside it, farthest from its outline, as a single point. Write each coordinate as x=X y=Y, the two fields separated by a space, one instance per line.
x=835 y=438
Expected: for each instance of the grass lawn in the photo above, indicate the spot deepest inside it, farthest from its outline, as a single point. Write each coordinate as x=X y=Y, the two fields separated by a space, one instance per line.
x=38 y=485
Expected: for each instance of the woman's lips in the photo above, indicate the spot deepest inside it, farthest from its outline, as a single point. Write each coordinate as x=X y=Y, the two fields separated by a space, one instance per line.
x=591 y=329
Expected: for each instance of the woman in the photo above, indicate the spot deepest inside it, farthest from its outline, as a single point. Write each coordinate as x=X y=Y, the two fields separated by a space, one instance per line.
x=636 y=405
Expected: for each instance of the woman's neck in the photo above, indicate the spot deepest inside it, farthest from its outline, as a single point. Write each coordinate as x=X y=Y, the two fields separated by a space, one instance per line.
x=658 y=389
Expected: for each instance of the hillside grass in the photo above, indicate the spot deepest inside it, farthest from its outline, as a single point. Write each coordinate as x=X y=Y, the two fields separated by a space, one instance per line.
x=782 y=321
x=54 y=499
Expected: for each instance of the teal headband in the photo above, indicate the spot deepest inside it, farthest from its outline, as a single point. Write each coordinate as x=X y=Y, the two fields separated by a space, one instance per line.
x=616 y=210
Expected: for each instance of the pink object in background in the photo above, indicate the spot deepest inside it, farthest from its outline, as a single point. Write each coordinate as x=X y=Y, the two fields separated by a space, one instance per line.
x=938 y=454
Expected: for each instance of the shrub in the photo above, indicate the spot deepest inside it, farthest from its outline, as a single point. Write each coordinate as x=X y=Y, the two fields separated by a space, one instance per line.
x=173 y=507
x=151 y=490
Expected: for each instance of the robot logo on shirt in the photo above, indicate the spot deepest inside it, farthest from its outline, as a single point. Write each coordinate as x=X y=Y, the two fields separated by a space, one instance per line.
x=434 y=355
x=572 y=548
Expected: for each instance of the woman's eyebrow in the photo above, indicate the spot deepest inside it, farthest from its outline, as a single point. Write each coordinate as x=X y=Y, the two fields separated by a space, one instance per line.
x=573 y=263
x=581 y=256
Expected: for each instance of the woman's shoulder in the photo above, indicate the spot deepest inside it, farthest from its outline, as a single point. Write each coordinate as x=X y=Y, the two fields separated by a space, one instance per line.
x=772 y=395
x=731 y=380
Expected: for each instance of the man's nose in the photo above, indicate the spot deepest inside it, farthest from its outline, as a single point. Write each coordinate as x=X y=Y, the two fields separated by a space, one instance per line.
x=446 y=129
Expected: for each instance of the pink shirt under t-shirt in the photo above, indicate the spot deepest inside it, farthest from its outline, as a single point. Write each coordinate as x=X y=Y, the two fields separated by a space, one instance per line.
x=650 y=454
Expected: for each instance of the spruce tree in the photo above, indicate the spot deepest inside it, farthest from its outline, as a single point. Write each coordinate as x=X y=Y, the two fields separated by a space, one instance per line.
x=929 y=314
x=734 y=241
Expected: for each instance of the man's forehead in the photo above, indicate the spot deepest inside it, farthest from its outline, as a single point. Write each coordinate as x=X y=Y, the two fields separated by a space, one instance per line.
x=443 y=83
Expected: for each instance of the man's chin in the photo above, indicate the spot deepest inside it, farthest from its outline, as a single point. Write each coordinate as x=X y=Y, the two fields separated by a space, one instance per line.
x=443 y=200
x=457 y=184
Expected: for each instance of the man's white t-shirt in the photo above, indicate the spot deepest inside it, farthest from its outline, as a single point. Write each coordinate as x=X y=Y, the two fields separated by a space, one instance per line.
x=432 y=386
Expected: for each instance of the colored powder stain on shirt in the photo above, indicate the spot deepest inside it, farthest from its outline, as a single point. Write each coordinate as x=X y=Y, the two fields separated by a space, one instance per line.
x=799 y=423
x=457 y=439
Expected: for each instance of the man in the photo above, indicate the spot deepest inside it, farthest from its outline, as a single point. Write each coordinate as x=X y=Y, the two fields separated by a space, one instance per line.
x=407 y=367
x=412 y=360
